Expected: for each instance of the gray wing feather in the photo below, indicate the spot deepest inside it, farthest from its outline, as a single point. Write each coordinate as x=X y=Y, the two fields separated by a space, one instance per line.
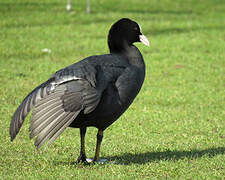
x=25 y=107
x=37 y=127
x=91 y=100
x=55 y=128
x=68 y=121
x=49 y=118
x=46 y=110
x=51 y=101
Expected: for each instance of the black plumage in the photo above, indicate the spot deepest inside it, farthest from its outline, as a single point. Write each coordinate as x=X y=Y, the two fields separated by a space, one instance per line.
x=92 y=92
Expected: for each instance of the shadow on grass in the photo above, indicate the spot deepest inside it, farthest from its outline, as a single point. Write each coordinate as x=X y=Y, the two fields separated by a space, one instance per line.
x=142 y=158
x=148 y=157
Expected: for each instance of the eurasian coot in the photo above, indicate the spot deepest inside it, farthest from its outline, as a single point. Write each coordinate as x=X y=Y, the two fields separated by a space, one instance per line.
x=92 y=92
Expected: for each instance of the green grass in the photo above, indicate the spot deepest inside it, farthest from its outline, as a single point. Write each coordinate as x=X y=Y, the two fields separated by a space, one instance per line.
x=176 y=126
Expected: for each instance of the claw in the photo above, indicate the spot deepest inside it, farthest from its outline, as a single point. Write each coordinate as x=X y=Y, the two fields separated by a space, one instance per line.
x=82 y=159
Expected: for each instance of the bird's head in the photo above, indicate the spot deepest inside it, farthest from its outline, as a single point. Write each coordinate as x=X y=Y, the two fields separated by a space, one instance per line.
x=125 y=31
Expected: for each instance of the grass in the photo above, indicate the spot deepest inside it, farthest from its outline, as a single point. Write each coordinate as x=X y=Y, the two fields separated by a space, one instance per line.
x=175 y=127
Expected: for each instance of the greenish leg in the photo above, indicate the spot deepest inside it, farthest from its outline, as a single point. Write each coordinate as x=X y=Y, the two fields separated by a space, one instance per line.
x=99 y=140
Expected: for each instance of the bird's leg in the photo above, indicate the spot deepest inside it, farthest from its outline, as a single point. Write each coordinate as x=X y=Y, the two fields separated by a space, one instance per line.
x=99 y=140
x=82 y=157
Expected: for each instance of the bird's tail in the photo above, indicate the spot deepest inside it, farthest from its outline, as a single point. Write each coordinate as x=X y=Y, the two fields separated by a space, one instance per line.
x=25 y=107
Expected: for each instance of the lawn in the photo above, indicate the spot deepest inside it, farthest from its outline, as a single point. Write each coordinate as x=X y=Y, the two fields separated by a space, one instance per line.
x=176 y=126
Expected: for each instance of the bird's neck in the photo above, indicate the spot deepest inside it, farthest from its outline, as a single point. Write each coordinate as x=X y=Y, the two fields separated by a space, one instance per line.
x=134 y=56
x=131 y=53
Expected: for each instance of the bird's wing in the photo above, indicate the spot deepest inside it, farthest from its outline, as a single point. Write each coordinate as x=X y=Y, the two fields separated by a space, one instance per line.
x=70 y=91
x=56 y=111
x=24 y=108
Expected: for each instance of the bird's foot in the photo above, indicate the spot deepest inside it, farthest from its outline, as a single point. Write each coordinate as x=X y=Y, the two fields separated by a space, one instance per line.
x=82 y=159
x=100 y=161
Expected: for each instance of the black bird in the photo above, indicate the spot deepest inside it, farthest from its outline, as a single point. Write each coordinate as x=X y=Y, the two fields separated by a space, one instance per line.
x=93 y=92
